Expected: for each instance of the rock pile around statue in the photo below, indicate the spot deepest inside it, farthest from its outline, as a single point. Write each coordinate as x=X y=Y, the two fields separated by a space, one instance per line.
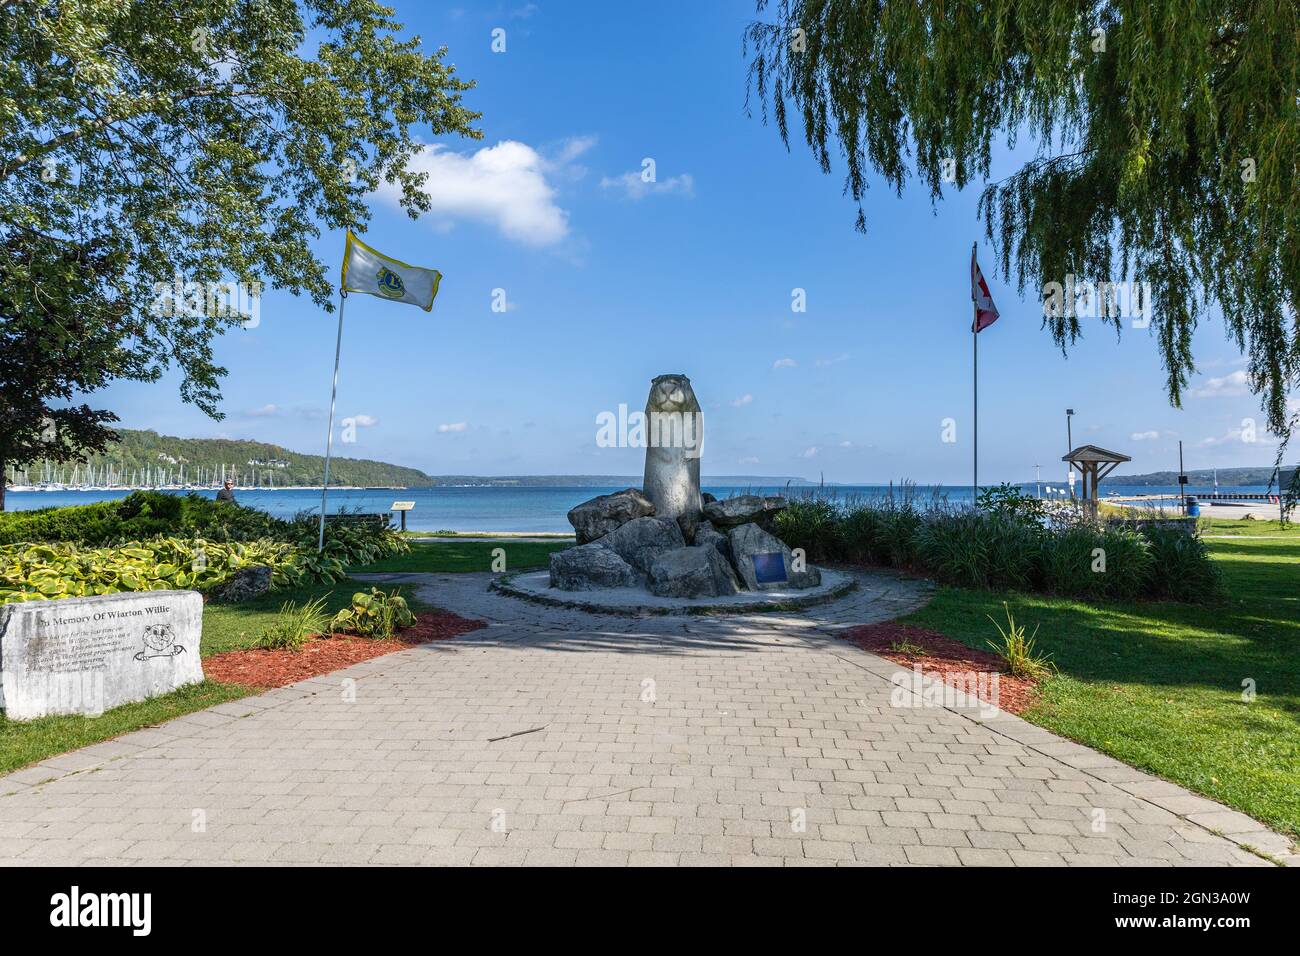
x=668 y=537
x=624 y=543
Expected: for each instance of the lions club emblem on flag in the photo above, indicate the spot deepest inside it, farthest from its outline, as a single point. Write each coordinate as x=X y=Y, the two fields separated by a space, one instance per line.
x=390 y=284
x=369 y=270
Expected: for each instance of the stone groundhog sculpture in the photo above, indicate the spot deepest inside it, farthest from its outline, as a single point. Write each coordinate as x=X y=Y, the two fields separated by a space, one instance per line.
x=674 y=440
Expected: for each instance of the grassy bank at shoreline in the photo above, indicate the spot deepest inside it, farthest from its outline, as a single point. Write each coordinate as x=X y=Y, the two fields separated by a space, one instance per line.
x=1165 y=686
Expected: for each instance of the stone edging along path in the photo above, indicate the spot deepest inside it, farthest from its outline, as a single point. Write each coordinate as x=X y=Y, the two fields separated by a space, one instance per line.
x=838 y=585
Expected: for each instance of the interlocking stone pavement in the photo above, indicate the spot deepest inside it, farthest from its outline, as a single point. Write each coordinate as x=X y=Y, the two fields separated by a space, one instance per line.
x=557 y=737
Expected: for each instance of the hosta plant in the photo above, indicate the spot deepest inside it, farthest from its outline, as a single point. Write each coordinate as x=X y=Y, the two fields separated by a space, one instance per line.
x=375 y=614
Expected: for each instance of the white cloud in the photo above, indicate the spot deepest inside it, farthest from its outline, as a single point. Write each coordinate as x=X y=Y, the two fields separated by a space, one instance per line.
x=453 y=427
x=504 y=185
x=743 y=400
x=364 y=421
x=1144 y=436
x=634 y=187
x=573 y=147
x=1227 y=386
x=846 y=444
x=809 y=452
x=784 y=363
x=266 y=411
x=842 y=357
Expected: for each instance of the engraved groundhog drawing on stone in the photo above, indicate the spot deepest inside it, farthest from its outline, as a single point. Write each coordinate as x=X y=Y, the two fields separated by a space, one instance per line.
x=159 y=641
x=674 y=442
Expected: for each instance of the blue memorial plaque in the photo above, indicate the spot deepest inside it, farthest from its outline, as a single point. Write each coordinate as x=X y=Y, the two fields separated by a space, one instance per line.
x=769 y=568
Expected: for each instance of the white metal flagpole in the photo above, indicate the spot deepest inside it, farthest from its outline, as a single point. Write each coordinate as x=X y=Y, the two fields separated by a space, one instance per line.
x=329 y=440
x=975 y=387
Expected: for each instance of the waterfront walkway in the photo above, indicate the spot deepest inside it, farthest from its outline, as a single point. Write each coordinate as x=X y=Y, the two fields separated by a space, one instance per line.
x=560 y=737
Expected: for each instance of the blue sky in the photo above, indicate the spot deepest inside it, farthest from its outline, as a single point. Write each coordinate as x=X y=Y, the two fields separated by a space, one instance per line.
x=610 y=281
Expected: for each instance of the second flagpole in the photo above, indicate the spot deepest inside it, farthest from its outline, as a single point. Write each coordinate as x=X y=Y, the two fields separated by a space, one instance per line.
x=329 y=438
x=975 y=388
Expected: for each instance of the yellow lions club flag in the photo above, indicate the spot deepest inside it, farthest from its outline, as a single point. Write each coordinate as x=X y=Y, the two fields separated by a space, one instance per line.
x=370 y=271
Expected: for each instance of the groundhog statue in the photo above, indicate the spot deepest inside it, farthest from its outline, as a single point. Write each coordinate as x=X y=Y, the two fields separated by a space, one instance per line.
x=674 y=440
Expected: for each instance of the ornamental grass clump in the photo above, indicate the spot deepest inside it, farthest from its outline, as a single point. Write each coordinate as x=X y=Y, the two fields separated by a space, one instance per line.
x=1018 y=650
x=295 y=625
x=1181 y=567
x=978 y=550
x=812 y=524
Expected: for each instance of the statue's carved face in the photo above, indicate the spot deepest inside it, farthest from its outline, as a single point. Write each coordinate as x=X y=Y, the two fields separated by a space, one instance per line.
x=672 y=393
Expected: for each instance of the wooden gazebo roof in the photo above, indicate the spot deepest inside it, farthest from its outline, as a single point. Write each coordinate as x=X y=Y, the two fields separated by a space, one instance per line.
x=1092 y=453
x=1094 y=464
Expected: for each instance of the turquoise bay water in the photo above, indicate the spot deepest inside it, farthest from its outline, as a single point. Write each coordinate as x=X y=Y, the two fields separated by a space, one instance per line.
x=510 y=509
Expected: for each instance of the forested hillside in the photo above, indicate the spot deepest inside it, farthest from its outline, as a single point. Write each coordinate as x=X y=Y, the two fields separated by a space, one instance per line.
x=147 y=458
x=1228 y=477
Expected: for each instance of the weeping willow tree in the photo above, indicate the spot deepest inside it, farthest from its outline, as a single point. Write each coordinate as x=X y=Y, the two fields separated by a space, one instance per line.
x=1166 y=139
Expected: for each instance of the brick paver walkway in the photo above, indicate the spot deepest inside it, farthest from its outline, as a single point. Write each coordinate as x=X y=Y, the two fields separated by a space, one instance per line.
x=557 y=737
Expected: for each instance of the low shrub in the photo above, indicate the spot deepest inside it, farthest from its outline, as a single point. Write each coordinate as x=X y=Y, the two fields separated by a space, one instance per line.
x=900 y=531
x=979 y=550
x=374 y=614
x=862 y=535
x=811 y=524
x=1012 y=541
x=141 y=515
x=1087 y=561
x=1181 y=568
x=72 y=560
x=1010 y=501
x=294 y=625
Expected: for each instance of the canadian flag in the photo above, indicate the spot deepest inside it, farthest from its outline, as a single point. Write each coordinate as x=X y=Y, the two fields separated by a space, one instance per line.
x=986 y=313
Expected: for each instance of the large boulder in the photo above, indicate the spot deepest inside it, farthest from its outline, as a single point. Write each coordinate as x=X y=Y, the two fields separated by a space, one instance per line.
x=745 y=509
x=642 y=540
x=708 y=536
x=590 y=566
x=749 y=541
x=598 y=517
x=691 y=573
x=244 y=585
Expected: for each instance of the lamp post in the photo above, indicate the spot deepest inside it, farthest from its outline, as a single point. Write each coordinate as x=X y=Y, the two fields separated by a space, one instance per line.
x=1069 y=443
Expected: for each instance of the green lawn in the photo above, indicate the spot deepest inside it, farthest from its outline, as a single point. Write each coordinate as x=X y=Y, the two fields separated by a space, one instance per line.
x=228 y=627
x=1160 y=685
x=467 y=554
x=1217 y=527
x=30 y=741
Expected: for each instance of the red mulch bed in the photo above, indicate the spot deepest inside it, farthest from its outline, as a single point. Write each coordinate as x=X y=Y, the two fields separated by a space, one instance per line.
x=261 y=668
x=946 y=660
